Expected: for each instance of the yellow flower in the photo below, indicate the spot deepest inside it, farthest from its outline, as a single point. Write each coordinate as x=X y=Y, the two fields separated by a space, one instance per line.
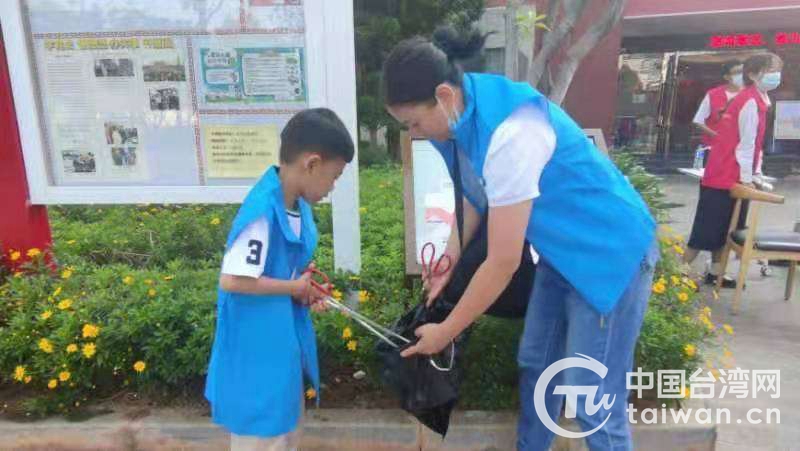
x=57 y=292
x=678 y=237
x=675 y=280
x=90 y=331
x=46 y=314
x=690 y=283
x=34 y=252
x=148 y=282
x=19 y=373
x=66 y=274
x=45 y=345
x=65 y=304
x=64 y=376
x=347 y=333
x=707 y=311
x=71 y=242
x=685 y=392
x=678 y=249
x=355 y=278
x=659 y=288
x=336 y=294
x=689 y=350
x=28 y=379
x=215 y=221
x=127 y=280
x=168 y=278
x=311 y=393
x=15 y=255
x=72 y=348
x=139 y=366
x=18 y=274
x=89 y=350
x=352 y=345
x=363 y=296
x=151 y=292
x=666 y=241
x=362 y=210
x=52 y=384
x=728 y=328
x=683 y=297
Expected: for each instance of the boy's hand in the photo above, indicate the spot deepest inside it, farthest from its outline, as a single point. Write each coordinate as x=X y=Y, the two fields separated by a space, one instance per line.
x=302 y=289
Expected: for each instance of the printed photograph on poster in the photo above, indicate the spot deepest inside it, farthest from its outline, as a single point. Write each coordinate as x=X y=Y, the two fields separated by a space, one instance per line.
x=164 y=99
x=117 y=133
x=253 y=75
x=123 y=156
x=163 y=66
x=79 y=162
x=113 y=67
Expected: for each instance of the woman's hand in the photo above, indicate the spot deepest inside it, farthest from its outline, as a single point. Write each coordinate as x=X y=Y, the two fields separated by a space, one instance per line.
x=432 y=339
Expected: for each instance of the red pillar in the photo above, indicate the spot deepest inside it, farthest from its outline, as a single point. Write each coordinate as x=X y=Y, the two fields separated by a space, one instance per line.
x=22 y=226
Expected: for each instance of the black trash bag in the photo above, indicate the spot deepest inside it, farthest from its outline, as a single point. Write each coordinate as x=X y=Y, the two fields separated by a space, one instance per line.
x=425 y=392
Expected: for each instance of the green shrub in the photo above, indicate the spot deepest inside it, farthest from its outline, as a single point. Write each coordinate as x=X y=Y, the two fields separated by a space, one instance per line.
x=146 y=277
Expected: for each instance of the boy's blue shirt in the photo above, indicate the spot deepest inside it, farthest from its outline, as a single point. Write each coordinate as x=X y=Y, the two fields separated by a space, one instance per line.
x=264 y=345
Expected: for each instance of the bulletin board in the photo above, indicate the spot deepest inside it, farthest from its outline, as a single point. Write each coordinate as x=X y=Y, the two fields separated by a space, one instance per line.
x=167 y=101
x=787 y=119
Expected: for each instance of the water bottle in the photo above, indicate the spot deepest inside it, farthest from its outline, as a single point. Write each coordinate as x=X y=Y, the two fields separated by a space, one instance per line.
x=699 y=155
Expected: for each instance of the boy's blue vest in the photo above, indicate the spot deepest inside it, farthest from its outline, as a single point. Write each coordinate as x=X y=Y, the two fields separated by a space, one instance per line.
x=264 y=345
x=589 y=223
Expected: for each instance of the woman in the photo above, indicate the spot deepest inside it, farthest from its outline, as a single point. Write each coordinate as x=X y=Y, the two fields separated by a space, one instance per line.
x=736 y=157
x=707 y=118
x=539 y=176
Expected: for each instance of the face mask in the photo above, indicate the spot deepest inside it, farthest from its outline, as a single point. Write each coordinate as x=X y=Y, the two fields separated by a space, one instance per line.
x=452 y=117
x=738 y=80
x=769 y=81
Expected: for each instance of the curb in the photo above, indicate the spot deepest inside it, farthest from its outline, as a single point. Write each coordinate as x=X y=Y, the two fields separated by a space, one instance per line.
x=323 y=429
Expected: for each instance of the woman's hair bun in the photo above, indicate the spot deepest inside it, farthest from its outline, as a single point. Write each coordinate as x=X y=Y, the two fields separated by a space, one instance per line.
x=459 y=45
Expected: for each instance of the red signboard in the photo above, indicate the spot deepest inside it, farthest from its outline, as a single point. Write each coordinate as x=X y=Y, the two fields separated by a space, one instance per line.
x=746 y=40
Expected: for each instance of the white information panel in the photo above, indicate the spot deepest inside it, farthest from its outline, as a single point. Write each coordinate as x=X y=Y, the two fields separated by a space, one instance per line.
x=166 y=101
x=787 y=119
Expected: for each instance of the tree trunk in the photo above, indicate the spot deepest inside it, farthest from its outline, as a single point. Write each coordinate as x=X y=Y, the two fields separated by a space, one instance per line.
x=373 y=137
x=555 y=38
x=512 y=40
x=581 y=48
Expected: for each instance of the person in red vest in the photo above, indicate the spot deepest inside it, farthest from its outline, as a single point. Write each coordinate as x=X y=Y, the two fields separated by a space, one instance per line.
x=735 y=157
x=716 y=100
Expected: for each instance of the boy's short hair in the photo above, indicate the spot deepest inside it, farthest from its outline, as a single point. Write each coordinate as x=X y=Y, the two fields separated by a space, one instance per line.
x=316 y=130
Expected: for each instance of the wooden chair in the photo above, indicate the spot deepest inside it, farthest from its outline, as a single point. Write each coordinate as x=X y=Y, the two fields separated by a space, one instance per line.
x=750 y=244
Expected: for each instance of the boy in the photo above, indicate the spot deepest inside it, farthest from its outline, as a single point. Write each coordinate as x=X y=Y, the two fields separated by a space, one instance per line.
x=264 y=343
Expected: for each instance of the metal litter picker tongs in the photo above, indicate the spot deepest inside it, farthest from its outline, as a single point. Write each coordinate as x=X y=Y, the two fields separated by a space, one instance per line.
x=384 y=333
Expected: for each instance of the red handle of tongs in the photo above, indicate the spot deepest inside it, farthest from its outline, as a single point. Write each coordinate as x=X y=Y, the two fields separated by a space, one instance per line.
x=325 y=285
